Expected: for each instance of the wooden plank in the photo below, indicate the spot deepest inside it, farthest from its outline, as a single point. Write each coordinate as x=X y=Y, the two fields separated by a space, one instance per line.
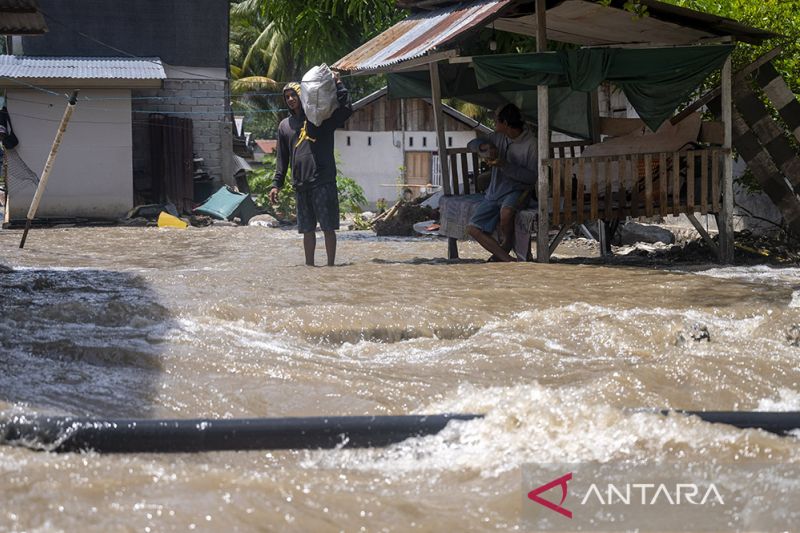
x=608 y=199
x=715 y=154
x=648 y=185
x=543 y=140
x=579 y=193
x=703 y=233
x=712 y=133
x=615 y=127
x=726 y=212
x=556 y=190
x=595 y=181
x=465 y=173
x=634 y=183
x=704 y=182
x=568 y=191
x=690 y=155
x=454 y=174
x=438 y=119
x=676 y=183
x=662 y=183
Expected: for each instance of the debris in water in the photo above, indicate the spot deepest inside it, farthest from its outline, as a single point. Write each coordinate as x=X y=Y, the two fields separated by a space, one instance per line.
x=793 y=335
x=697 y=333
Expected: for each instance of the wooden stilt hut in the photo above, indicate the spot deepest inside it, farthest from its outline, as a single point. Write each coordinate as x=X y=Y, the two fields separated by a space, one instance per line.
x=658 y=60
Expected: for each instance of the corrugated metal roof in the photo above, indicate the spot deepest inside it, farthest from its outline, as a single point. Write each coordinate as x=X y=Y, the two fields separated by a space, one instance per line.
x=421 y=33
x=84 y=68
x=21 y=23
x=240 y=164
x=583 y=22
x=21 y=17
x=19 y=5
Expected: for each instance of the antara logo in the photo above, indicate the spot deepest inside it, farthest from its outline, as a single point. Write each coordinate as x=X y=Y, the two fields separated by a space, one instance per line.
x=562 y=482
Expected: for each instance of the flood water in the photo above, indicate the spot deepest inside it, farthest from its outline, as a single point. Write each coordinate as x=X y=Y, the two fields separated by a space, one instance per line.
x=226 y=322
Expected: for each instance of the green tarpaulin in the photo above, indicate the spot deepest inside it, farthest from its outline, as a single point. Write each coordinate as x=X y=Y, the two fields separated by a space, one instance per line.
x=655 y=80
x=569 y=110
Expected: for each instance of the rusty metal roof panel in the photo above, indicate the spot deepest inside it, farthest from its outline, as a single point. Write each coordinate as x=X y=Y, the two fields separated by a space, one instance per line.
x=88 y=68
x=21 y=23
x=21 y=17
x=420 y=33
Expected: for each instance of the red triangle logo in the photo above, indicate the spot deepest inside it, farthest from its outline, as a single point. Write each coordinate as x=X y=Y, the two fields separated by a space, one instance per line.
x=562 y=482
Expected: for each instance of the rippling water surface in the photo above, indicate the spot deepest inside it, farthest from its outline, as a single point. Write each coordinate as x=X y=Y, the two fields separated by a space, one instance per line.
x=225 y=322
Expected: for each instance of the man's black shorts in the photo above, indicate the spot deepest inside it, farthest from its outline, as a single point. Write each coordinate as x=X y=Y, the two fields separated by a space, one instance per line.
x=320 y=204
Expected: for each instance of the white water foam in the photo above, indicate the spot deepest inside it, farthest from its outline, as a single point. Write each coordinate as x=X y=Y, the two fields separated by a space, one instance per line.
x=788 y=400
x=534 y=424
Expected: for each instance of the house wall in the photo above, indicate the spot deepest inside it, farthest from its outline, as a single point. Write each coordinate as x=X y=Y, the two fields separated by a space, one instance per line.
x=92 y=174
x=203 y=101
x=180 y=32
x=383 y=114
x=374 y=158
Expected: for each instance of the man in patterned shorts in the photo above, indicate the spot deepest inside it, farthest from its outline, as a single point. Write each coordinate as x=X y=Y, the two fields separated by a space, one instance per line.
x=309 y=150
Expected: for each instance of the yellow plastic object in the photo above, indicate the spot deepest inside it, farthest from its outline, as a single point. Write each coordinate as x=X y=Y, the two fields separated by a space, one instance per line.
x=165 y=220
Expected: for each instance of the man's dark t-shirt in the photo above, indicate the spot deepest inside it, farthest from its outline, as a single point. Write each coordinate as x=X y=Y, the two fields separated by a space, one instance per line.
x=309 y=148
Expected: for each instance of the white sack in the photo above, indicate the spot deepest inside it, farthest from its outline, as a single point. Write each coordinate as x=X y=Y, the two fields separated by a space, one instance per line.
x=318 y=94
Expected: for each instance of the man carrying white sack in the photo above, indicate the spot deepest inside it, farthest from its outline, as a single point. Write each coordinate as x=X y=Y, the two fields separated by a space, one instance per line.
x=309 y=149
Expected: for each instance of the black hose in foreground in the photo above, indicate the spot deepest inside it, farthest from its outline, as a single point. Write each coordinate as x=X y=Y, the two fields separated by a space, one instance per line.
x=67 y=434
x=773 y=422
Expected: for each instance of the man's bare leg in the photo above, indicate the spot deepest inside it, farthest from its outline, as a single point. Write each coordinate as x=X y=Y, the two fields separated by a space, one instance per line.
x=507 y=228
x=491 y=245
x=309 y=245
x=330 y=246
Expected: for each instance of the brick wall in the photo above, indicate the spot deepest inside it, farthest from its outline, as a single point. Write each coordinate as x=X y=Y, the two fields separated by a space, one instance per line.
x=203 y=101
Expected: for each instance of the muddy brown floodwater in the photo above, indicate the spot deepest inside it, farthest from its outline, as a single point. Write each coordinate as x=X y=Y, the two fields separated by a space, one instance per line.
x=225 y=322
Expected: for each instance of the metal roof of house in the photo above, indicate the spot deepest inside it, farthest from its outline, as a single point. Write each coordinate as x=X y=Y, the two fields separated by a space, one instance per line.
x=583 y=22
x=21 y=17
x=456 y=114
x=418 y=34
x=81 y=68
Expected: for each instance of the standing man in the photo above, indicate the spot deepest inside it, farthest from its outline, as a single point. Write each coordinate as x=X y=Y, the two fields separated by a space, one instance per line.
x=513 y=155
x=309 y=149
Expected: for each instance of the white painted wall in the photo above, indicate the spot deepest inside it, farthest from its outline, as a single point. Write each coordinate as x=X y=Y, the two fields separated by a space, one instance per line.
x=373 y=158
x=93 y=171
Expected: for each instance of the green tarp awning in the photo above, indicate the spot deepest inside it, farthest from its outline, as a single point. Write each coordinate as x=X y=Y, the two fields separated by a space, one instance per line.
x=569 y=110
x=655 y=80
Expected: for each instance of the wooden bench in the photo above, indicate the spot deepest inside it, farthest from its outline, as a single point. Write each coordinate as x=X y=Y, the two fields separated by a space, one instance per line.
x=606 y=188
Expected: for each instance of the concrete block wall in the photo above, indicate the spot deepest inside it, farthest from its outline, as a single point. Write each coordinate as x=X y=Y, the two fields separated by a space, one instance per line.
x=205 y=102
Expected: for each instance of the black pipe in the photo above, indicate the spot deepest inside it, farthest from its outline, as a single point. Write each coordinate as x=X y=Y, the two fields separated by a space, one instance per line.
x=773 y=422
x=67 y=434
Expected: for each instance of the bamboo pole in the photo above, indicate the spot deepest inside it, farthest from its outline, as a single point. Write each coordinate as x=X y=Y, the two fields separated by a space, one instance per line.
x=48 y=166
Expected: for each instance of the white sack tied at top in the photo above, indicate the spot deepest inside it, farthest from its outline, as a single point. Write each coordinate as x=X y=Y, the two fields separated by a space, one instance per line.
x=318 y=94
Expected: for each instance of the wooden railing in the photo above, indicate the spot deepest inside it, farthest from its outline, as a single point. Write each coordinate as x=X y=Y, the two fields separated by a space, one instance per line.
x=588 y=188
x=463 y=164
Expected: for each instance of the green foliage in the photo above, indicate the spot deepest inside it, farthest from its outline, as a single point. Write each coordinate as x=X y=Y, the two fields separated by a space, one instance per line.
x=260 y=182
x=351 y=195
x=779 y=16
x=325 y=30
x=360 y=222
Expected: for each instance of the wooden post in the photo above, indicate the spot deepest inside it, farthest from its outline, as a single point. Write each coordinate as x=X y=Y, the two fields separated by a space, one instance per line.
x=543 y=112
x=438 y=121
x=48 y=166
x=726 y=213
